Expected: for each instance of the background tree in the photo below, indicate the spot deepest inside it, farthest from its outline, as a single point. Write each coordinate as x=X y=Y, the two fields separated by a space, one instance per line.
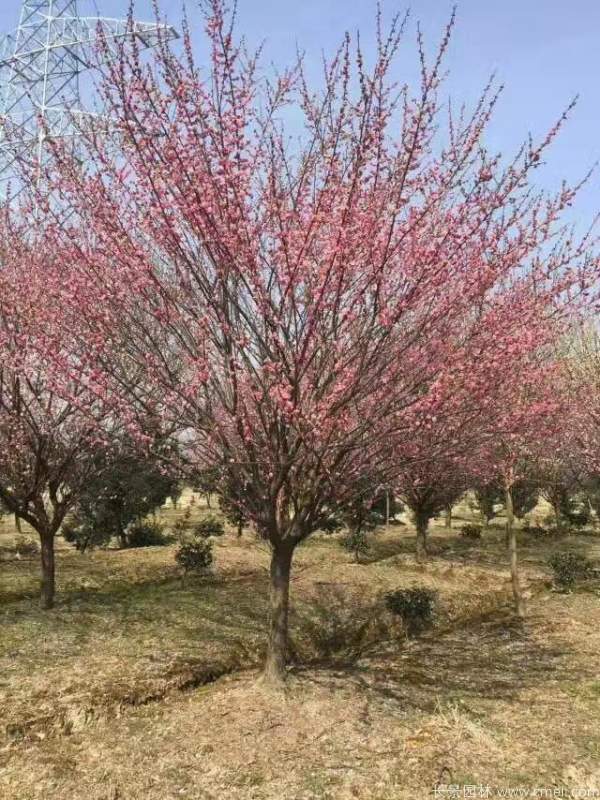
x=488 y=497
x=361 y=514
x=48 y=440
x=425 y=501
x=233 y=511
x=564 y=487
x=529 y=433
x=207 y=481
x=126 y=487
x=386 y=505
x=525 y=495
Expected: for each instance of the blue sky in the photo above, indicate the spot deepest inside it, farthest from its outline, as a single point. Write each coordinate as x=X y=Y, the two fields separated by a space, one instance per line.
x=544 y=51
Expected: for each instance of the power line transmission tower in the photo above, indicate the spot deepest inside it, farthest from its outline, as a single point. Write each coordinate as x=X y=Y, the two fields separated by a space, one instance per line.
x=41 y=65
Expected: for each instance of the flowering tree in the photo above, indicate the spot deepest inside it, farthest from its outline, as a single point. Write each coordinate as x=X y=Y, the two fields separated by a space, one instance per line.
x=284 y=305
x=569 y=472
x=494 y=377
x=530 y=433
x=47 y=442
x=579 y=355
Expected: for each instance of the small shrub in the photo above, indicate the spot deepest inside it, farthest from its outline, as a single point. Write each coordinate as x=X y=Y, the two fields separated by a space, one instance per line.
x=330 y=524
x=146 y=534
x=568 y=568
x=209 y=526
x=556 y=532
x=356 y=542
x=537 y=531
x=338 y=625
x=70 y=533
x=83 y=537
x=470 y=531
x=179 y=528
x=194 y=555
x=414 y=606
x=549 y=521
x=181 y=525
x=579 y=519
x=26 y=548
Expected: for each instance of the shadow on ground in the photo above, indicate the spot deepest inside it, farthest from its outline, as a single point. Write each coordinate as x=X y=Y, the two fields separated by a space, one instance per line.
x=489 y=657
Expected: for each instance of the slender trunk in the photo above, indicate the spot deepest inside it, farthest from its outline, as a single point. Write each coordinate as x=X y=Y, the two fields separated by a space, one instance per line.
x=281 y=562
x=557 y=515
x=208 y=505
x=593 y=518
x=510 y=516
x=448 y=517
x=240 y=529
x=122 y=535
x=47 y=594
x=511 y=536
x=387 y=509
x=357 y=547
x=18 y=524
x=421 y=524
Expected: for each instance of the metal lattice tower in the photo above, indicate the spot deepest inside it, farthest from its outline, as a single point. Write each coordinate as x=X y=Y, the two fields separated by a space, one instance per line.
x=41 y=65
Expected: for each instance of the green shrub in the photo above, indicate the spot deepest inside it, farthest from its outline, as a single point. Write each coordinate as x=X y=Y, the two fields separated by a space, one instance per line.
x=568 y=568
x=330 y=524
x=181 y=525
x=209 y=526
x=194 y=555
x=471 y=531
x=488 y=497
x=232 y=507
x=579 y=519
x=537 y=531
x=356 y=542
x=414 y=606
x=146 y=534
x=83 y=536
x=525 y=497
x=125 y=487
x=382 y=505
x=26 y=548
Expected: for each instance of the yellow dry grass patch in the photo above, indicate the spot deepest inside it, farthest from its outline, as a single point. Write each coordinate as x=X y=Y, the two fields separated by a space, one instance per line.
x=92 y=700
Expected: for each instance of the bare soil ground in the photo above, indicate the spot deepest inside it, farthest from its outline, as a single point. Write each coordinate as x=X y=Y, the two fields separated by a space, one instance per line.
x=138 y=686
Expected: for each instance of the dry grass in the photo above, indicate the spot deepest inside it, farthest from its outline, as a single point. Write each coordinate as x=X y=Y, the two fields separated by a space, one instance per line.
x=92 y=701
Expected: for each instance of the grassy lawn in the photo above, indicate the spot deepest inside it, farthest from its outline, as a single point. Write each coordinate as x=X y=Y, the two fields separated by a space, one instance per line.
x=141 y=686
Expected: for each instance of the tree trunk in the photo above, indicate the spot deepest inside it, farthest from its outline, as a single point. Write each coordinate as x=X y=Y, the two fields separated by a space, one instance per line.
x=240 y=529
x=557 y=516
x=47 y=595
x=281 y=562
x=387 y=509
x=422 y=524
x=122 y=536
x=511 y=536
x=593 y=517
x=208 y=505
x=357 y=551
x=448 y=517
x=18 y=524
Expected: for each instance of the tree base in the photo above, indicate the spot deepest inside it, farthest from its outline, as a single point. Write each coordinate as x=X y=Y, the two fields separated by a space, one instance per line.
x=272 y=683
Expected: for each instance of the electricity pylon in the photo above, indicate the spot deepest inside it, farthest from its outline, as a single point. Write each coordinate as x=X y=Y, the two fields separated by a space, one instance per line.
x=41 y=65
